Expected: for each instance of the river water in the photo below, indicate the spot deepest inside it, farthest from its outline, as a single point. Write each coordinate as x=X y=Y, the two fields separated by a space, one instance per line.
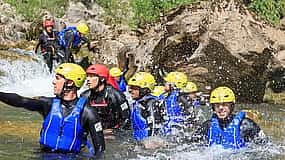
x=19 y=129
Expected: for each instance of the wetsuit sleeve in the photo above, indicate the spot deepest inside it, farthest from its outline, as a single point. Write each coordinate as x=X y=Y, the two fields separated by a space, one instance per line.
x=251 y=132
x=41 y=105
x=92 y=125
x=121 y=106
x=42 y=41
x=200 y=135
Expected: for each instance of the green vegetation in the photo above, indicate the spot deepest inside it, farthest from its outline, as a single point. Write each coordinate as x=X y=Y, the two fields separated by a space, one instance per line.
x=271 y=10
x=32 y=9
x=138 y=12
x=150 y=10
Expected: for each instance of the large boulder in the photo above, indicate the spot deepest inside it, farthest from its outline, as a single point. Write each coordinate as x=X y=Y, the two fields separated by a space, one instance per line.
x=215 y=44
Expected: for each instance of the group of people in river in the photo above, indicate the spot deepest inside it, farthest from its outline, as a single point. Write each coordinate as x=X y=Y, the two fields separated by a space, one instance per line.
x=72 y=121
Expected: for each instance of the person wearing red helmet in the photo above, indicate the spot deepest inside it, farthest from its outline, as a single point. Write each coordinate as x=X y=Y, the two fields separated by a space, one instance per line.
x=105 y=98
x=48 y=42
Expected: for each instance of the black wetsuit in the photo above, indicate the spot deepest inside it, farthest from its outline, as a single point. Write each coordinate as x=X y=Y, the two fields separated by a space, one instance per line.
x=151 y=106
x=46 y=41
x=249 y=130
x=111 y=106
x=43 y=106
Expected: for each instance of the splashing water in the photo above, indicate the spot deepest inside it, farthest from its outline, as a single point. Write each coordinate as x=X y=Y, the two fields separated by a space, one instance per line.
x=25 y=77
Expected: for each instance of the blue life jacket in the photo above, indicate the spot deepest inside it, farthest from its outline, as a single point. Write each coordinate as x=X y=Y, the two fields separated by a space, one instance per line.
x=139 y=123
x=230 y=136
x=174 y=113
x=122 y=84
x=62 y=41
x=63 y=133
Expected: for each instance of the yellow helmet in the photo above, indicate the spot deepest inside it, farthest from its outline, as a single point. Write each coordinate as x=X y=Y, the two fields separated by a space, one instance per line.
x=72 y=72
x=115 y=72
x=221 y=95
x=82 y=28
x=142 y=80
x=158 y=90
x=190 y=87
x=178 y=78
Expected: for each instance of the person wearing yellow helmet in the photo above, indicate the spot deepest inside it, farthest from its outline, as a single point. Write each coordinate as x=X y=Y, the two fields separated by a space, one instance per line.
x=71 y=38
x=177 y=108
x=225 y=128
x=145 y=113
x=60 y=131
x=190 y=91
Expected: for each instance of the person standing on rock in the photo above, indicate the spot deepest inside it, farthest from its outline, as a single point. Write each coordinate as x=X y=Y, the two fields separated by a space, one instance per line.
x=48 y=42
x=225 y=128
x=71 y=39
x=66 y=117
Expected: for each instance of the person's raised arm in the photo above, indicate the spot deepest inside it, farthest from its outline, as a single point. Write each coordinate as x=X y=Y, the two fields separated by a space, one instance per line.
x=32 y=104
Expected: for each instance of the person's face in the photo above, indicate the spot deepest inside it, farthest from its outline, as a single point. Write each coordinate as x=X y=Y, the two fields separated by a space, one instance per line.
x=134 y=91
x=58 y=84
x=49 y=29
x=92 y=80
x=223 y=110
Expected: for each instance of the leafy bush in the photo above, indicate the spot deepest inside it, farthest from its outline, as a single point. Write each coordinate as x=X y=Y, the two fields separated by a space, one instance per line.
x=271 y=10
x=117 y=11
x=31 y=9
x=149 y=10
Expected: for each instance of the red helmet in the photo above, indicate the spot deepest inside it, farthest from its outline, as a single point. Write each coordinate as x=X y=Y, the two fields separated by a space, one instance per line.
x=103 y=72
x=48 y=23
x=98 y=69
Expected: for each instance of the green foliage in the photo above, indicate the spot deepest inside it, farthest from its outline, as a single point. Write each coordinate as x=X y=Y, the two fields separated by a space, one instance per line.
x=146 y=11
x=117 y=11
x=138 y=12
x=271 y=10
x=32 y=9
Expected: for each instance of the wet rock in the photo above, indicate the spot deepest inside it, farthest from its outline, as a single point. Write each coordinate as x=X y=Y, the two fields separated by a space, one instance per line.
x=12 y=26
x=215 y=43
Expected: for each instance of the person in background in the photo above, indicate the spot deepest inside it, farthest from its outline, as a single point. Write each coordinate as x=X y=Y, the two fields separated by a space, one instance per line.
x=226 y=128
x=190 y=91
x=66 y=116
x=71 y=39
x=145 y=114
x=120 y=75
x=48 y=42
x=178 y=111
